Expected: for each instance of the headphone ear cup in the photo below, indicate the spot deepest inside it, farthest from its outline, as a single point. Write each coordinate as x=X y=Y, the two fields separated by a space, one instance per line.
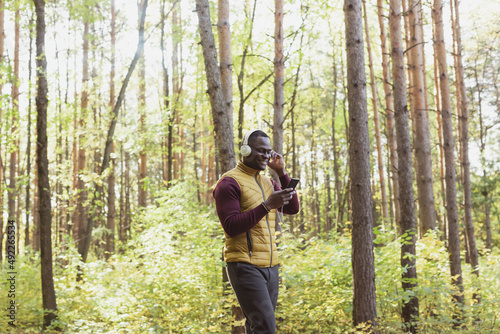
x=245 y=150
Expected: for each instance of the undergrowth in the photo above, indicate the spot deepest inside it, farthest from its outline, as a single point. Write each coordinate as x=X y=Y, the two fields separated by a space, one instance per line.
x=168 y=279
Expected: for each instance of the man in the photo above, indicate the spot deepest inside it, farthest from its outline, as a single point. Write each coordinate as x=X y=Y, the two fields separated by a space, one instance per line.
x=246 y=204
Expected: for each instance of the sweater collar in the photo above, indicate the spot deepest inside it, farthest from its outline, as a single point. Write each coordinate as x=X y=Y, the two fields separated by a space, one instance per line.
x=247 y=170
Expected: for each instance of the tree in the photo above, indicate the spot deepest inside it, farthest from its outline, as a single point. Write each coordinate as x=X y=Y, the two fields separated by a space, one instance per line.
x=2 y=38
x=223 y=128
x=373 y=85
x=226 y=64
x=364 y=304
x=142 y=126
x=405 y=174
x=449 y=153
x=279 y=78
x=421 y=141
x=464 y=138
x=110 y=221
x=389 y=110
x=48 y=292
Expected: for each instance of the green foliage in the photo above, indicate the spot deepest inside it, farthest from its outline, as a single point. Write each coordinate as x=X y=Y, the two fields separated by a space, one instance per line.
x=168 y=280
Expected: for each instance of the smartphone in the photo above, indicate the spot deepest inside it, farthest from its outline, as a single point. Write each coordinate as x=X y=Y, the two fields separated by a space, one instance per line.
x=293 y=183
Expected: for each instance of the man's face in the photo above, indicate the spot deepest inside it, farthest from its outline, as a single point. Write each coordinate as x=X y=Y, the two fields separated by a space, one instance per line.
x=261 y=153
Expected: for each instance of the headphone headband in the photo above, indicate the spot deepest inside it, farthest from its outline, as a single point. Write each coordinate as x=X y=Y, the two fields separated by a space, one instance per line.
x=247 y=136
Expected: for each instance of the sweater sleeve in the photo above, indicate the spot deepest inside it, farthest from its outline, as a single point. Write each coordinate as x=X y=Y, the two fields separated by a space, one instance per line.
x=227 y=196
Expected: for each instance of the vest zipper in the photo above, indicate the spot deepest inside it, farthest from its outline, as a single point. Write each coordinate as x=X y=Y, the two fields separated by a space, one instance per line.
x=249 y=243
x=267 y=221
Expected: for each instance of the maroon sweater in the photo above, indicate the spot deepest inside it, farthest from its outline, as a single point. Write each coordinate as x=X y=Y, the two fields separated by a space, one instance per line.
x=227 y=196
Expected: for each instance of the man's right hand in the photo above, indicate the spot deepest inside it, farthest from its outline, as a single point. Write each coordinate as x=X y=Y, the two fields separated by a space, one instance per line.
x=280 y=198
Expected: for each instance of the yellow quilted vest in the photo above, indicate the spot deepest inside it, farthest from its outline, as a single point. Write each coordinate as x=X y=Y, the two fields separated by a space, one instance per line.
x=257 y=246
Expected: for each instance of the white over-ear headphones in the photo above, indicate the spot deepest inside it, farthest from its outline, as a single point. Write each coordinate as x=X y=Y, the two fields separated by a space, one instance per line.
x=245 y=149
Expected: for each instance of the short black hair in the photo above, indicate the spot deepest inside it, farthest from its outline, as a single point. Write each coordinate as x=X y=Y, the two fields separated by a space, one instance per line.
x=255 y=135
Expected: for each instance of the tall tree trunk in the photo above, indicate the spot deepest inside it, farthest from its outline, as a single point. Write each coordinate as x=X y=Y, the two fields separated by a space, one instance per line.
x=407 y=224
x=223 y=128
x=421 y=142
x=81 y=209
x=449 y=154
x=226 y=64
x=464 y=138
x=389 y=110
x=380 y=156
x=2 y=37
x=110 y=223
x=28 y=153
x=227 y=90
x=12 y=193
x=442 y=226
x=279 y=78
x=176 y=88
x=168 y=141
x=48 y=292
x=364 y=301
x=142 y=125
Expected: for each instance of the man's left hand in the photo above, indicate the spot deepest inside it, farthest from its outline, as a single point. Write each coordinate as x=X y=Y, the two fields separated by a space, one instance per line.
x=277 y=163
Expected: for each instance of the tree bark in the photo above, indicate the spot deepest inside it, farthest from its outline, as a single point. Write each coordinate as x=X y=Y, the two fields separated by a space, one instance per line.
x=12 y=193
x=421 y=142
x=464 y=138
x=142 y=124
x=449 y=154
x=376 y=121
x=81 y=210
x=222 y=126
x=226 y=63
x=48 y=292
x=389 y=110
x=407 y=224
x=364 y=301
x=110 y=221
x=279 y=78
x=2 y=37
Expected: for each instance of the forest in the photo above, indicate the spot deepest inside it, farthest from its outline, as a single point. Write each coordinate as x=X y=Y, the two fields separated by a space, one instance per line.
x=118 y=117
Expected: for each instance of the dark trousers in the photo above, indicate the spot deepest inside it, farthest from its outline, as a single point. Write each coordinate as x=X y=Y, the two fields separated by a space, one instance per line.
x=257 y=292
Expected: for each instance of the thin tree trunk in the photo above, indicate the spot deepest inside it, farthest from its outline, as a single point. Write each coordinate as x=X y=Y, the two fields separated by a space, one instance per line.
x=176 y=118
x=279 y=78
x=389 y=110
x=12 y=193
x=28 y=154
x=48 y=292
x=421 y=142
x=464 y=138
x=81 y=210
x=142 y=124
x=364 y=301
x=443 y=226
x=449 y=155
x=223 y=128
x=226 y=64
x=110 y=223
x=408 y=227
x=2 y=37
x=380 y=165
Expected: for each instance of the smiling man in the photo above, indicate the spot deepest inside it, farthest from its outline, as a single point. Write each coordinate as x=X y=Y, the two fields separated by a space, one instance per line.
x=246 y=204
